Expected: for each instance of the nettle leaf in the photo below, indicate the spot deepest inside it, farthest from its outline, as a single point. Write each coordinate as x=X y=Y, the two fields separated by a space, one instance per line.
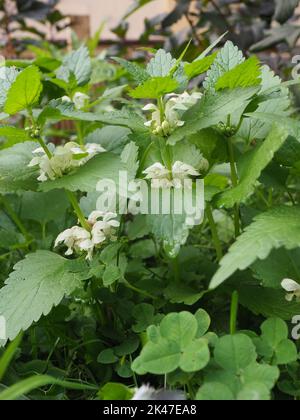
x=172 y=345
x=36 y=285
x=111 y=138
x=244 y=75
x=25 y=91
x=161 y=65
x=137 y=72
x=13 y=135
x=86 y=177
x=44 y=207
x=212 y=109
x=228 y=58
x=274 y=229
x=58 y=110
x=253 y=164
x=281 y=264
x=198 y=67
x=15 y=175
x=154 y=88
x=77 y=64
x=7 y=77
x=268 y=302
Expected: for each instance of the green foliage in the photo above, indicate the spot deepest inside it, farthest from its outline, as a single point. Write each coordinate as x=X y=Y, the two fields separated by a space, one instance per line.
x=111 y=301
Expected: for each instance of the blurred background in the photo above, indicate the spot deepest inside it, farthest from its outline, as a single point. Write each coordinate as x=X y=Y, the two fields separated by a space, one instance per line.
x=270 y=28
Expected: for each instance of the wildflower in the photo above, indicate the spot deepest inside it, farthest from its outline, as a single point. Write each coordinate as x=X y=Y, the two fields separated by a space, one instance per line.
x=77 y=239
x=161 y=177
x=63 y=160
x=80 y=240
x=174 y=108
x=79 y=99
x=146 y=392
x=292 y=288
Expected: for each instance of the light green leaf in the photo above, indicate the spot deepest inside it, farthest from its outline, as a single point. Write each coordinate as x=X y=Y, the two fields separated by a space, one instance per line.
x=199 y=67
x=86 y=178
x=161 y=64
x=274 y=229
x=154 y=88
x=215 y=391
x=137 y=72
x=78 y=64
x=253 y=165
x=38 y=283
x=268 y=375
x=115 y=392
x=13 y=135
x=7 y=77
x=228 y=58
x=235 y=352
x=25 y=91
x=244 y=75
x=254 y=391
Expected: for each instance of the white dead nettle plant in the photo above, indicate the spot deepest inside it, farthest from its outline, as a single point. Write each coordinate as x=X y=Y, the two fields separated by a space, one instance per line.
x=174 y=108
x=63 y=159
x=80 y=240
x=293 y=289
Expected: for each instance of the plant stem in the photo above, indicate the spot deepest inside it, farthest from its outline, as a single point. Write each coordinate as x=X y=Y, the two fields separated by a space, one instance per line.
x=176 y=269
x=14 y=217
x=234 y=312
x=135 y=289
x=235 y=182
x=79 y=133
x=214 y=232
x=73 y=200
x=45 y=147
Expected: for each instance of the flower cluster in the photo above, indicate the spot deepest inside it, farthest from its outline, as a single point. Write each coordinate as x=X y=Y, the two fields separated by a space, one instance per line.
x=292 y=288
x=63 y=159
x=173 y=111
x=161 y=177
x=80 y=240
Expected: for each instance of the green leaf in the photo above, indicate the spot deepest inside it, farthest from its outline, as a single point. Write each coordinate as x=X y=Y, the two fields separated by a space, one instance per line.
x=7 y=77
x=173 y=345
x=76 y=64
x=25 y=92
x=253 y=164
x=268 y=302
x=274 y=330
x=86 y=178
x=107 y=357
x=245 y=74
x=235 y=352
x=274 y=229
x=154 y=88
x=199 y=67
x=212 y=109
x=254 y=391
x=161 y=65
x=15 y=175
x=228 y=58
x=44 y=207
x=268 y=375
x=111 y=274
x=115 y=392
x=13 y=135
x=38 y=283
x=215 y=391
x=138 y=73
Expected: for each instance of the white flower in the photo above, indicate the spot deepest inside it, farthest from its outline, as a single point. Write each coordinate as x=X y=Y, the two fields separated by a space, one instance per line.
x=77 y=239
x=161 y=177
x=63 y=160
x=80 y=100
x=292 y=288
x=66 y=99
x=175 y=106
x=105 y=228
